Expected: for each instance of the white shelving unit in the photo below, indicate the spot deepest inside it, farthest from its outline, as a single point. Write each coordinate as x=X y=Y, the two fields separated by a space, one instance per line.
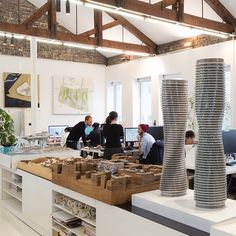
x=57 y=226
x=13 y=182
x=12 y=191
x=79 y=231
x=91 y=222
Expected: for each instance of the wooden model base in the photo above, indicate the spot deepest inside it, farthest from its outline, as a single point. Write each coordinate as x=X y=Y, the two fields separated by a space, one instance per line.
x=117 y=189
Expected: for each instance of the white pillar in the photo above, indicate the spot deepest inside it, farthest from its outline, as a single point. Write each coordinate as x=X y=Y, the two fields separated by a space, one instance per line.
x=233 y=85
x=34 y=85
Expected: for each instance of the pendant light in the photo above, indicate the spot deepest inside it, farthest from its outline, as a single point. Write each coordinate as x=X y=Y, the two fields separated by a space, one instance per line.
x=5 y=40
x=58 y=5
x=67 y=7
x=12 y=41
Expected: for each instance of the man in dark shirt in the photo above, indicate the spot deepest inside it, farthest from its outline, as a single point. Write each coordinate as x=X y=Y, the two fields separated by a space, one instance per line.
x=77 y=132
x=95 y=136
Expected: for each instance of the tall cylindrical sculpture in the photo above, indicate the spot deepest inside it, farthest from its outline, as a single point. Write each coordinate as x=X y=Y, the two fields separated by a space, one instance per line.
x=210 y=176
x=175 y=110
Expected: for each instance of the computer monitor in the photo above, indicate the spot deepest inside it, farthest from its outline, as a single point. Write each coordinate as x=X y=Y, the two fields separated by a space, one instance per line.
x=157 y=132
x=229 y=141
x=56 y=130
x=131 y=135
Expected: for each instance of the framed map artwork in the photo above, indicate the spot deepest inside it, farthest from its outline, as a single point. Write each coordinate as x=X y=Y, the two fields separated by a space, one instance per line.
x=71 y=96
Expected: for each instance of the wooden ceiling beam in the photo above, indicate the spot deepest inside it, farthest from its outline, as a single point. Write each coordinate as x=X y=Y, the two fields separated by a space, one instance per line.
x=165 y=3
x=52 y=19
x=98 y=26
x=180 y=10
x=133 y=30
x=104 y=27
x=36 y=15
x=221 y=11
x=168 y=14
x=70 y=37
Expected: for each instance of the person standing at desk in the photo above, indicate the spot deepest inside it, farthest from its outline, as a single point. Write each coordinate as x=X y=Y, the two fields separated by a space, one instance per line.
x=112 y=132
x=77 y=132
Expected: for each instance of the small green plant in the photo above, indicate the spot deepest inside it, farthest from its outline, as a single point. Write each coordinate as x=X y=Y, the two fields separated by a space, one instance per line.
x=7 y=137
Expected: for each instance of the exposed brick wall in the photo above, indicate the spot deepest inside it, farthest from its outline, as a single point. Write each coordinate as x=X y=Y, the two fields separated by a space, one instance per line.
x=120 y=59
x=197 y=42
x=21 y=48
x=47 y=51
x=9 y=13
x=172 y=47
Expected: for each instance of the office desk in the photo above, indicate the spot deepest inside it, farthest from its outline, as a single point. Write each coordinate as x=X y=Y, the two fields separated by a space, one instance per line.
x=190 y=160
x=229 y=169
x=87 y=150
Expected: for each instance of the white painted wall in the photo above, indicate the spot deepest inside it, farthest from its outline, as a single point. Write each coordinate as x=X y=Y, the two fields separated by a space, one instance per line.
x=182 y=62
x=99 y=76
x=95 y=74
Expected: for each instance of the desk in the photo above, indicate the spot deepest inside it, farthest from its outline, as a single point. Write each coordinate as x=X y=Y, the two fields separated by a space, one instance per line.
x=87 y=150
x=190 y=151
x=229 y=169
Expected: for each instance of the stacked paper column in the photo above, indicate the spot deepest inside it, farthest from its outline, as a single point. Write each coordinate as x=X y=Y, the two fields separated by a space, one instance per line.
x=210 y=176
x=175 y=109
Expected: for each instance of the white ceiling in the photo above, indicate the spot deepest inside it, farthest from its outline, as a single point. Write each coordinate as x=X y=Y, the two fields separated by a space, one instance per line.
x=159 y=32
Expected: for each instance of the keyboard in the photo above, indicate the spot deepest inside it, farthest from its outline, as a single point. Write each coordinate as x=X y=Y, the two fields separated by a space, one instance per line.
x=231 y=163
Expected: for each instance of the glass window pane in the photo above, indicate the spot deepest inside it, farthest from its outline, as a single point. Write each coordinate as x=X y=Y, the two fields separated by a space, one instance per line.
x=115 y=98
x=145 y=102
x=228 y=106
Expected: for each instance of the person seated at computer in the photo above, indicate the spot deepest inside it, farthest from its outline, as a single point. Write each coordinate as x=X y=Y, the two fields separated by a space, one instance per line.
x=95 y=136
x=112 y=132
x=189 y=137
x=77 y=132
x=65 y=135
x=145 y=141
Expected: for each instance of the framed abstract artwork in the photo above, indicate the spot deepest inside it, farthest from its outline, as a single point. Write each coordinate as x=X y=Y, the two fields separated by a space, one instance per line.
x=17 y=89
x=71 y=96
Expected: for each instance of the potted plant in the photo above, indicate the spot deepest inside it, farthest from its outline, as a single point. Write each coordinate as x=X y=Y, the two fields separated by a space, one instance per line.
x=7 y=137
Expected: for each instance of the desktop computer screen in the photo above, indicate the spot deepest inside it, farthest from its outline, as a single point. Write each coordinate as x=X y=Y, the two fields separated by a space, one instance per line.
x=229 y=141
x=157 y=132
x=56 y=130
x=131 y=135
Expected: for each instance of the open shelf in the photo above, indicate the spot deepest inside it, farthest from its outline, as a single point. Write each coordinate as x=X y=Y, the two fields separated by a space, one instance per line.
x=19 y=185
x=13 y=205
x=16 y=195
x=91 y=222
x=79 y=231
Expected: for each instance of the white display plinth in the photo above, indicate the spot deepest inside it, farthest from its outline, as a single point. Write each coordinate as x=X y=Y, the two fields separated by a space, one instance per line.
x=227 y=228
x=183 y=210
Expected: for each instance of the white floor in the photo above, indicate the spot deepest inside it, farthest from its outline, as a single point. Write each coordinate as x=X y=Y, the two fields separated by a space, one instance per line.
x=12 y=226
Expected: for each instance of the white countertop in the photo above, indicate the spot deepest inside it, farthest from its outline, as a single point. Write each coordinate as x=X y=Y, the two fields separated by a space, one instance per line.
x=227 y=228
x=183 y=210
x=12 y=161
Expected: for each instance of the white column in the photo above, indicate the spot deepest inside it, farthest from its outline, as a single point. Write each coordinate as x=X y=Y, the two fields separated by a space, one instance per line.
x=34 y=85
x=233 y=97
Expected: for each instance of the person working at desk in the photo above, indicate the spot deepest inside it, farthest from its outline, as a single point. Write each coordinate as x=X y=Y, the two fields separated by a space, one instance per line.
x=189 y=137
x=145 y=142
x=65 y=136
x=112 y=132
x=95 y=135
x=77 y=132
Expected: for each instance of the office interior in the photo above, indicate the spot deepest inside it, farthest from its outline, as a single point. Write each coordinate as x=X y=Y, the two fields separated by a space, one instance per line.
x=62 y=60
